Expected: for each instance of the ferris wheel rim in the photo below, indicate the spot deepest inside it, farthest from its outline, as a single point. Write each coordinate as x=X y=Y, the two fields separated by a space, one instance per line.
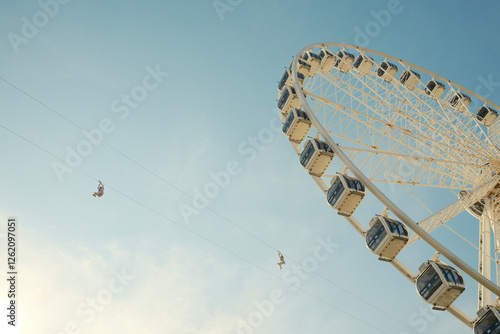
x=481 y=279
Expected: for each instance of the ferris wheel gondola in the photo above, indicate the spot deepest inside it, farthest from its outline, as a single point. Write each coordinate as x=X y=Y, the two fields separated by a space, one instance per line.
x=475 y=209
x=460 y=101
x=488 y=321
x=364 y=64
x=435 y=88
x=286 y=80
x=486 y=115
x=387 y=70
x=296 y=125
x=439 y=284
x=312 y=60
x=386 y=237
x=328 y=60
x=316 y=156
x=302 y=67
x=410 y=79
x=344 y=62
x=288 y=100
x=345 y=194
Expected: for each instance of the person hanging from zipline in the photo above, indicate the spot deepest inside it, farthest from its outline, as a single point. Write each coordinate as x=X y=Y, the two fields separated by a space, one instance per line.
x=282 y=260
x=100 y=190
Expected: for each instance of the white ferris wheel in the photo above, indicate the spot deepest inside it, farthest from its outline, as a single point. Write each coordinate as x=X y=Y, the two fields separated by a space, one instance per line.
x=359 y=120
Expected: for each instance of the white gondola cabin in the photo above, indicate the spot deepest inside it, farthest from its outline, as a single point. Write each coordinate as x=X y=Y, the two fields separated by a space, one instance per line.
x=387 y=70
x=345 y=194
x=487 y=321
x=475 y=209
x=439 y=284
x=409 y=79
x=302 y=67
x=313 y=60
x=286 y=79
x=296 y=125
x=486 y=115
x=435 y=88
x=316 y=156
x=386 y=237
x=288 y=100
x=460 y=101
x=364 y=64
x=328 y=60
x=344 y=61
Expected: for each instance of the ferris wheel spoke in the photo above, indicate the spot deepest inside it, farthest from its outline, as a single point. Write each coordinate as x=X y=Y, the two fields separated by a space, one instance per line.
x=446 y=214
x=385 y=166
x=413 y=108
x=454 y=166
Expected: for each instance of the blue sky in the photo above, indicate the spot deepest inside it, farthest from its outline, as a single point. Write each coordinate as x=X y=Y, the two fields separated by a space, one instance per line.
x=130 y=261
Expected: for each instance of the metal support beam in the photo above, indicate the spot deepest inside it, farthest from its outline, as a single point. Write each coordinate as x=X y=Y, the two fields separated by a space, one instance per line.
x=484 y=295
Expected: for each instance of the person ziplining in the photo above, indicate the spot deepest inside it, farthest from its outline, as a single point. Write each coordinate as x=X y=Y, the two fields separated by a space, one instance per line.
x=282 y=260
x=100 y=190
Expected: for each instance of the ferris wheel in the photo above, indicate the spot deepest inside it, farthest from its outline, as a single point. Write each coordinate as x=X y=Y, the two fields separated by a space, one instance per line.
x=360 y=121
